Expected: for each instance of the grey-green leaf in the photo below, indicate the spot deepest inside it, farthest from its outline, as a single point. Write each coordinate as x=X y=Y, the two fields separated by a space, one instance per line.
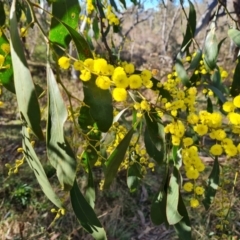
x=85 y=214
x=59 y=151
x=234 y=34
x=116 y=158
x=173 y=215
x=183 y=228
x=25 y=91
x=38 y=170
x=213 y=182
x=235 y=88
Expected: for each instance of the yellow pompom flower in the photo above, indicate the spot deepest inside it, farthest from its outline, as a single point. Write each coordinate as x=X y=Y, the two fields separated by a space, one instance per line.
x=64 y=62
x=193 y=118
x=234 y=118
x=78 y=65
x=228 y=107
x=175 y=140
x=231 y=150
x=216 y=150
x=194 y=203
x=89 y=63
x=103 y=82
x=146 y=75
x=119 y=94
x=187 y=142
x=188 y=186
x=100 y=66
x=5 y=47
x=145 y=105
x=129 y=68
x=135 y=81
x=192 y=173
x=85 y=75
x=236 y=101
x=2 y=59
x=220 y=134
x=201 y=129
x=199 y=190
x=120 y=78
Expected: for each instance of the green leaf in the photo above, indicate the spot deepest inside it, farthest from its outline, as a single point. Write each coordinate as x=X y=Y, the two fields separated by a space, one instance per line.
x=113 y=4
x=2 y=14
x=123 y=3
x=66 y=11
x=25 y=91
x=183 y=228
x=38 y=170
x=210 y=50
x=234 y=34
x=217 y=92
x=196 y=60
x=81 y=44
x=154 y=138
x=59 y=151
x=90 y=194
x=173 y=215
x=235 y=88
x=181 y=72
x=191 y=26
x=85 y=214
x=158 y=208
x=133 y=176
x=213 y=182
x=116 y=158
x=6 y=74
x=100 y=103
x=95 y=27
x=209 y=105
x=177 y=159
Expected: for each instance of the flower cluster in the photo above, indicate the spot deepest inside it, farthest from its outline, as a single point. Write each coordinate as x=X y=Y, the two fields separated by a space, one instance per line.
x=5 y=49
x=120 y=78
x=111 y=17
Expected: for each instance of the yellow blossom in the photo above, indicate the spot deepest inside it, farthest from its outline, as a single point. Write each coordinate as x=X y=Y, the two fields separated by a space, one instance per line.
x=129 y=68
x=119 y=94
x=103 y=82
x=194 y=203
x=135 y=81
x=85 y=75
x=199 y=190
x=6 y=48
x=64 y=62
x=236 y=101
x=201 y=129
x=188 y=186
x=216 y=150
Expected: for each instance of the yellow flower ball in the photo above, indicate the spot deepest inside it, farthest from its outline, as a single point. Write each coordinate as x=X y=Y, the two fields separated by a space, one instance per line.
x=135 y=81
x=216 y=150
x=188 y=186
x=199 y=190
x=201 y=129
x=236 y=101
x=192 y=173
x=228 y=107
x=103 y=82
x=64 y=62
x=187 y=142
x=85 y=75
x=129 y=68
x=194 y=203
x=145 y=105
x=5 y=47
x=2 y=59
x=119 y=94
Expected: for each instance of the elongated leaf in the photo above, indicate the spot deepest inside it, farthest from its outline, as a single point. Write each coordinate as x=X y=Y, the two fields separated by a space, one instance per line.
x=133 y=176
x=210 y=50
x=213 y=181
x=124 y=3
x=66 y=11
x=59 y=152
x=191 y=26
x=181 y=72
x=116 y=158
x=85 y=214
x=173 y=215
x=95 y=26
x=113 y=4
x=90 y=194
x=183 y=228
x=158 y=208
x=6 y=72
x=218 y=93
x=235 y=88
x=38 y=170
x=196 y=60
x=234 y=34
x=25 y=91
x=99 y=101
x=2 y=14
x=209 y=105
x=154 y=138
